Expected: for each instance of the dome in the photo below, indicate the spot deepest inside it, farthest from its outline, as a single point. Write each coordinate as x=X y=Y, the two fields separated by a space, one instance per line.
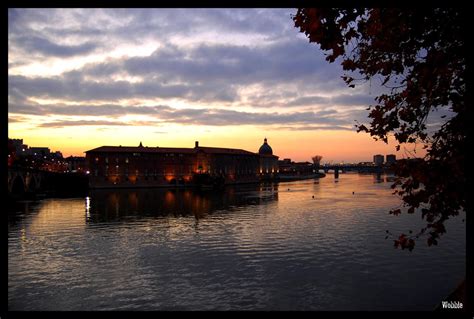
x=265 y=149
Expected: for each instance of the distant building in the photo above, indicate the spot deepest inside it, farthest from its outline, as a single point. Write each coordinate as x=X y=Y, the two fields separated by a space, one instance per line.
x=76 y=164
x=390 y=159
x=17 y=144
x=57 y=154
x=140 y=166
x=285 y=166
x=38 y=151
x=288 y=167
x=378 y=160
x=304 y=168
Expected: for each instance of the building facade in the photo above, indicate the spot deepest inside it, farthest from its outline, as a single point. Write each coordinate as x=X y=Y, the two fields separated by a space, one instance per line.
x=76 y=164
x=125 y=166
x=390 y=159
x=378 y=160
x=289 y=168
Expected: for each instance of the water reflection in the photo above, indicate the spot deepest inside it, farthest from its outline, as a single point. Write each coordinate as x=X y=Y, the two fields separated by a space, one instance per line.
x=302 y=245
x=383 y=178
x=116 y=204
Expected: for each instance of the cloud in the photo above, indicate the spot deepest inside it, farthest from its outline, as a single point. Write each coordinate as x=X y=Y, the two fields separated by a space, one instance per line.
x=32 y=44
x=309 y=100
x=217 y=64
x=316 y=128
x=208 y=73
x=353 y=99
x=73 y=88
x=15 y=119
x=280 y=62
x=56 y=124
x=183 y=116
x=109 y=110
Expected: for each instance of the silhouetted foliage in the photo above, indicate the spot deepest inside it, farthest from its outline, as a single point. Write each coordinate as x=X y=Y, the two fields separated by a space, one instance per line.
x=317 y=160
x=419 y=55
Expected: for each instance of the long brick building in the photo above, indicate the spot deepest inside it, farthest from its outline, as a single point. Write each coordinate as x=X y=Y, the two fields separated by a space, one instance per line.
x=142 y=166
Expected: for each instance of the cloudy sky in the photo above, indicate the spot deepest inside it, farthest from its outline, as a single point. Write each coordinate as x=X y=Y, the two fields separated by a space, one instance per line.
x=83 y=78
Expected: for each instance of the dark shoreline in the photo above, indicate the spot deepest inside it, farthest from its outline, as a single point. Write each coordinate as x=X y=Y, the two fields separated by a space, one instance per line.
x=77 y=185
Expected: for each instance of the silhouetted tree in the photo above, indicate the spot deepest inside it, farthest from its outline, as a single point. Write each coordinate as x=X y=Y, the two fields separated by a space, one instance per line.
x=317 y=160
x=419 y=55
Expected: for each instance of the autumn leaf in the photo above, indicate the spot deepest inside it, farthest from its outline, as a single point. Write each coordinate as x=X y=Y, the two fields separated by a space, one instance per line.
x=387 y=41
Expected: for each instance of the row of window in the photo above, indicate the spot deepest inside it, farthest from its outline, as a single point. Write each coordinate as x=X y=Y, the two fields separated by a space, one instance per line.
x=239 y=159
x=106 y=159
x=224 y=170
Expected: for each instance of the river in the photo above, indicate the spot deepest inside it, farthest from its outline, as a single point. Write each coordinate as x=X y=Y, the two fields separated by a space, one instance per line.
x=303 y=245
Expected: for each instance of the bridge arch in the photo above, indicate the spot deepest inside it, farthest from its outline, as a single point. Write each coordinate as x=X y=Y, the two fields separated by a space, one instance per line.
x=18 y=185
x=32 y=185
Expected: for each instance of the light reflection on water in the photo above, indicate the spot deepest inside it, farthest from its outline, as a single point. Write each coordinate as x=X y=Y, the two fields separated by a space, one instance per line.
x=305 y=245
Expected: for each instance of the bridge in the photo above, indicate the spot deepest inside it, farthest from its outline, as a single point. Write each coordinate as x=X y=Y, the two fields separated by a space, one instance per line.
x=354 y=168
x=24 y=181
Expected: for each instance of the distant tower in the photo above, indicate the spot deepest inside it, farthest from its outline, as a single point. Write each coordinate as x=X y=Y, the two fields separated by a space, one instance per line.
x=391 y=159
x=378 y=160
x=140 y=144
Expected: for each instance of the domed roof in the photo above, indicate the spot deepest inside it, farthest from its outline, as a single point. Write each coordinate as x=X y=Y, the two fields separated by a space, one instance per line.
x=265 y=149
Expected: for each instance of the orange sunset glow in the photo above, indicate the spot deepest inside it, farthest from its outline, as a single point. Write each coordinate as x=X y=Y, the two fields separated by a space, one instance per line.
x=230 y=86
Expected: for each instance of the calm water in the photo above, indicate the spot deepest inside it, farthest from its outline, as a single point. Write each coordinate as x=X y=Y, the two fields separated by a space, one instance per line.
x=269 y=247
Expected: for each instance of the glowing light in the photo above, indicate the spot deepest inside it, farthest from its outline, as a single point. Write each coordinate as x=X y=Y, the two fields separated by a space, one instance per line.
x=88 y=206
x=169 y=178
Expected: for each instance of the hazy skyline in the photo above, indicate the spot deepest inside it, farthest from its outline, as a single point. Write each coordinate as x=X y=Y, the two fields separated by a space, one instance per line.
x=82 y=78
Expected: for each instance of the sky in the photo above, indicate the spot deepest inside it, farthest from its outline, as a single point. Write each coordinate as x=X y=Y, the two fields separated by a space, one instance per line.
x=83 y=78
